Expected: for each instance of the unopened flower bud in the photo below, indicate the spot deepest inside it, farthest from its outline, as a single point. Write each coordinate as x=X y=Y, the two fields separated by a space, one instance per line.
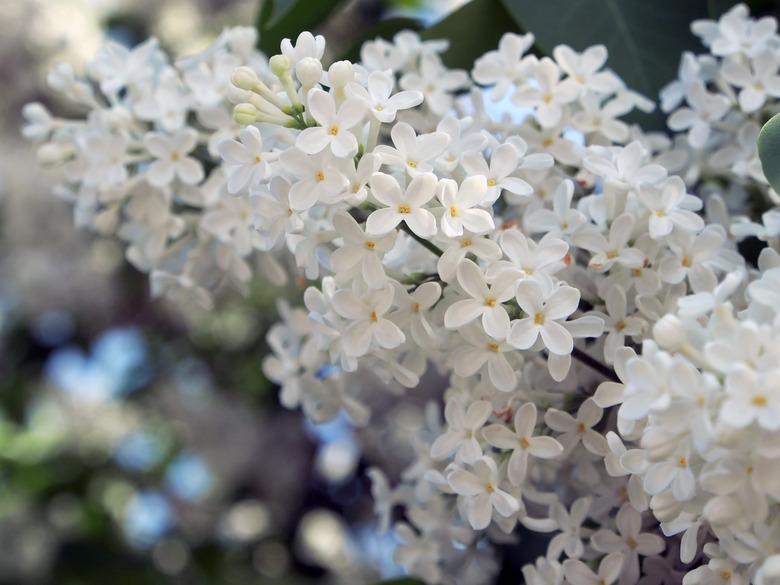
x=280 y=65
x=308 y=71
x=236 y=95
x=341 y=73
x=669 y=332
x=50 y=154
x=244 y=78
x=245 y=114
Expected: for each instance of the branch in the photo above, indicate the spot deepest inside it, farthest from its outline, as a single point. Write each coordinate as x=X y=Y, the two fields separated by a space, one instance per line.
x=595 y=365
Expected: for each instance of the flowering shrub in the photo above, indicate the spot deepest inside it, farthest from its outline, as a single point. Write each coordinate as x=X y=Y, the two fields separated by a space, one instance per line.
x=611 y=357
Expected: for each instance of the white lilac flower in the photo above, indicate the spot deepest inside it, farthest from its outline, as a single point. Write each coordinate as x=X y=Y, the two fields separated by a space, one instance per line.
x=461 y=206
x=360 y=251
x=704 y=109
x=246 y=164
x=522 y=442
x=670 y=206
x=485 y=301
x=629 y=540
x=618 y=323
x=478 y=352
x=369 y=324
x=578 y=429
x=378 y=96
x=335 y=126
x=435 y=82
x=172 y=158
x=757 y=81
x=407 y=207
x=412 y=312
x=752 y=397
x=583 y=68
x=578 y=573
x=549 y=95
x=560 y=221
x=505 y=160
x=544 y=309
x=274 y=218
x=481 y=490
x=569 y=539
x=505 y=66
x=614 y=249
x=531 y=260
x=319 y=179
x=461 y=142
x=307 y=45
x=411 y=151
x=463 y=431
x=456 y=250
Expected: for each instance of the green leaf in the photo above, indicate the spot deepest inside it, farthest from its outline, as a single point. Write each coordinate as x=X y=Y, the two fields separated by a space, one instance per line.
x=472 y=30
x=275 y=23
x=769 y=151
x=265 y=14
x=384 y=29
x=645 y=38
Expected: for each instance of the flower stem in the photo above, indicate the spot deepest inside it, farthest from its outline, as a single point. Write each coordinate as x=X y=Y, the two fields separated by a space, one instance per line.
x=594 y=364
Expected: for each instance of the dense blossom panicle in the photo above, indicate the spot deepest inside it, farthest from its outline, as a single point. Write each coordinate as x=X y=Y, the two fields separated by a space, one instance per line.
x=611 y=359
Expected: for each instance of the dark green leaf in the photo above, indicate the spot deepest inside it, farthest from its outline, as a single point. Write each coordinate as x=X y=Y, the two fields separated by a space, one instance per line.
x=265 y=14
x=769 y=151
x=275 y=24
x=645 y=38
x=472 y=30
x=384 y=29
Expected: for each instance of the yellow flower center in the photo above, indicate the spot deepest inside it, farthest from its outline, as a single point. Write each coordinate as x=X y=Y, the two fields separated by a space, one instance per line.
x=525 y=443
x=404 y=208
x=374 y=318
x=612 y=254
x=490 y=302
x=412 y=164
x=333 y=130
x=258 y=158
x=370 y=244
x=539 y=318
x=175 y=156
x=686 y=261
x=416 y=308
x=547 y=98
x=682 y=461
x=320 y=176
x=465 y=243
x=491 y=182
x=759 y=400
x=453 y=211
x=493 y=346
x=489 y=488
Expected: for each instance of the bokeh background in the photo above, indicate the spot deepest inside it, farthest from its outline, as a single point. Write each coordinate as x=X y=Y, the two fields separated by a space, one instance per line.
x=140 y=445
